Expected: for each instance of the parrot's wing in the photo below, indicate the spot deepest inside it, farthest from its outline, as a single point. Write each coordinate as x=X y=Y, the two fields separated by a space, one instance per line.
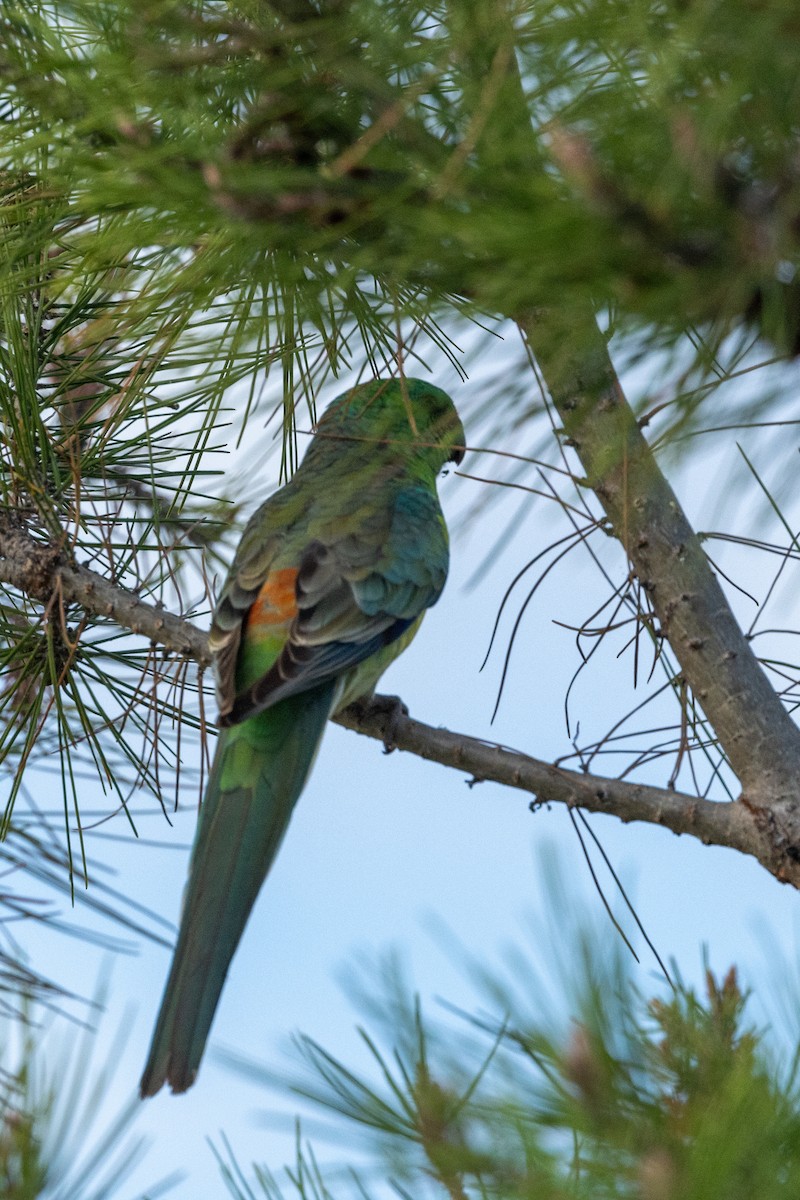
x=352 y=598
x=250 y=573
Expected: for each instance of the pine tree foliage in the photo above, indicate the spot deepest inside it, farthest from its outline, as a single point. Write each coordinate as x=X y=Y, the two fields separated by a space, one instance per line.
x=605 y=1094
x=59 y=1137
x=652 y=145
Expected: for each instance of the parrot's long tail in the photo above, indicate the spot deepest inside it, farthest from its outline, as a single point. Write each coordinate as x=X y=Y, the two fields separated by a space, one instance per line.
x=259 y=770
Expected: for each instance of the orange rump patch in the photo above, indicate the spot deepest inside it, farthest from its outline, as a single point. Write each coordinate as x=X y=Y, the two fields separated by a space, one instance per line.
x=276 y=603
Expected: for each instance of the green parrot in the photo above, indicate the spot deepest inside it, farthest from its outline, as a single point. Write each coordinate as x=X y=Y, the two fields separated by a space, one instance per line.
x=328 y=585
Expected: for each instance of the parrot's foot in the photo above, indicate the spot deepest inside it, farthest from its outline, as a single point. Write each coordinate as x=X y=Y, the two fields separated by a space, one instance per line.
x=393 y=711
x=390 y=709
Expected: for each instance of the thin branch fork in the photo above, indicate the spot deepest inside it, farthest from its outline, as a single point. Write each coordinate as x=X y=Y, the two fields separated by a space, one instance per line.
x=39 y=570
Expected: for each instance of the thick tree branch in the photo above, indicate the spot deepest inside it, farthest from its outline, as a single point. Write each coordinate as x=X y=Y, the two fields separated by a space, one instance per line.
x=755 y=731
x=39 y=570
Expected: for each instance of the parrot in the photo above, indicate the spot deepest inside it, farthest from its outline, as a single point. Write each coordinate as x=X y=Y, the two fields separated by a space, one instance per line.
x=328 y=585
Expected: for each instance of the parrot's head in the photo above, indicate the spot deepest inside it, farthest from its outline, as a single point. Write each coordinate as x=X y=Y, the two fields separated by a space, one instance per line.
x=410 y=417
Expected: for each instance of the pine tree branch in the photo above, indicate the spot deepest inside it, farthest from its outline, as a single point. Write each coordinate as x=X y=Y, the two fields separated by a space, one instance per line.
x=758 y=736
x=42 y=571
x=39 y=570
x=722 y=824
